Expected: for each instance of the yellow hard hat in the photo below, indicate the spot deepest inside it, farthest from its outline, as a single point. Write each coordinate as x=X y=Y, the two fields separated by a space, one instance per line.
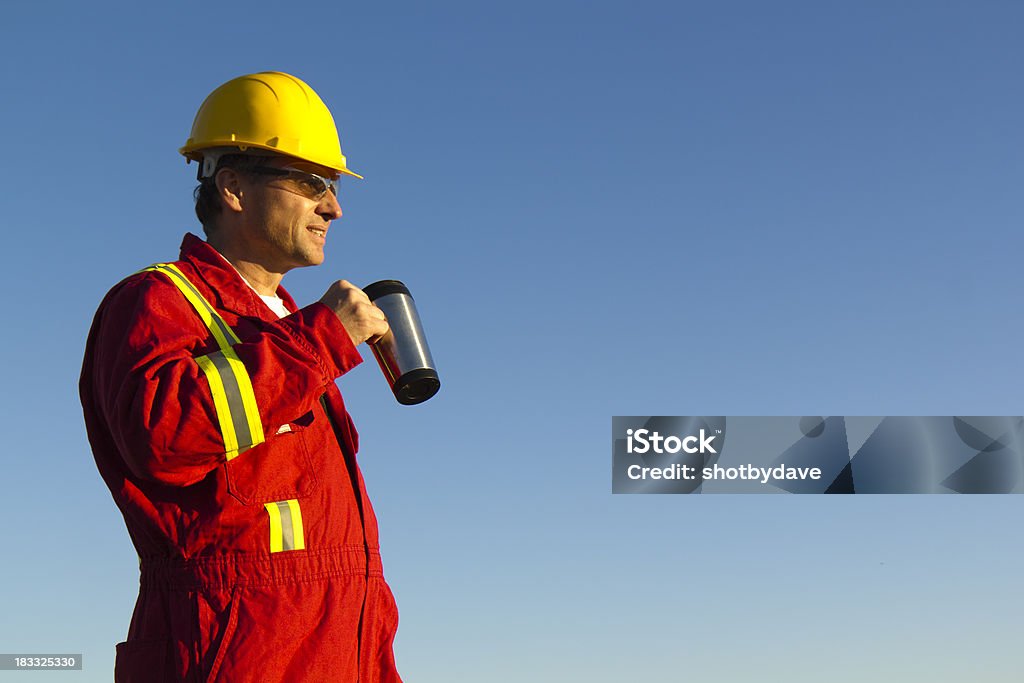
x=271 y=111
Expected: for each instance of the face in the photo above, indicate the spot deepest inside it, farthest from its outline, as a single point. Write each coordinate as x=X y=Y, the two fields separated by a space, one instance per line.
x=284 y=227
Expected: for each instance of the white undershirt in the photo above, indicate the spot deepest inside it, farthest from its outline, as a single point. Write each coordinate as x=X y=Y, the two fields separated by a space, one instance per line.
x=275 y=302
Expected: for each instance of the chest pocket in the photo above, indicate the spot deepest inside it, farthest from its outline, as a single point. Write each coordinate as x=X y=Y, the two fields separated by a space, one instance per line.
x=278 y=467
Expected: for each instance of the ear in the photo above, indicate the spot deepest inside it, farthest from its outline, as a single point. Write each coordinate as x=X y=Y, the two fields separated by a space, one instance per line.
x=229 y=189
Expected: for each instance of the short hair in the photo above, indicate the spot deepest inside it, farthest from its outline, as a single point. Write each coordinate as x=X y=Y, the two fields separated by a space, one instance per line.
x=206 y=196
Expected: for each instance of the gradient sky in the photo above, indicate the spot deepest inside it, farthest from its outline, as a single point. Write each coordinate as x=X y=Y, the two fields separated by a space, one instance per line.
x=713 y=208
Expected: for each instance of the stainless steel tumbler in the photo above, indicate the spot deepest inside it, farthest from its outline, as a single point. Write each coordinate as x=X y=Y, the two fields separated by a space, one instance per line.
x=402 y=353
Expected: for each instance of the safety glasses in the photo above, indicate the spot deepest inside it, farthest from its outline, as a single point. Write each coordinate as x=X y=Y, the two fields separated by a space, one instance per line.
x=309 y=185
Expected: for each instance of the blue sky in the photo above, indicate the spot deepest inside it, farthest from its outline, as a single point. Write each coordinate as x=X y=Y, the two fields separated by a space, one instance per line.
x=728 y=208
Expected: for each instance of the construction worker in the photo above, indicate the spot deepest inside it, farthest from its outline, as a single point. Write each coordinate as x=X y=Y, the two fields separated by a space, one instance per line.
x=214 y=418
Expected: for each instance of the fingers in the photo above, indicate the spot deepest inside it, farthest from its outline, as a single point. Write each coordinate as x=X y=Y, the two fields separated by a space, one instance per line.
x=361 y=318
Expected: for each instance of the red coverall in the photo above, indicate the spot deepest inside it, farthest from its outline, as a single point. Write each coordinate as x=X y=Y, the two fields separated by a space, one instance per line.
x=262 y=565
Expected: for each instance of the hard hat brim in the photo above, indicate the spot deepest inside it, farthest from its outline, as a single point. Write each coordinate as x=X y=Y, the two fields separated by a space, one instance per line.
x=195 y=153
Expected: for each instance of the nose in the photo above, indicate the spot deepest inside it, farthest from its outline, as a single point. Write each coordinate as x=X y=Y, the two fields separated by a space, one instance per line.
x=329 y=208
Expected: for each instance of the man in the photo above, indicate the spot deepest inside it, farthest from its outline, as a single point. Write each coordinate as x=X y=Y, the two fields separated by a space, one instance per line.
x=214 y=418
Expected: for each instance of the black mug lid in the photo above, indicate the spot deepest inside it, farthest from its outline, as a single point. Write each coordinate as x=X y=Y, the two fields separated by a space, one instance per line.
x=385 y=287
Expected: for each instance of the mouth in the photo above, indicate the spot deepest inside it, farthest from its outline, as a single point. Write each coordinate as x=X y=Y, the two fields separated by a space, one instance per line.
x=319 y=232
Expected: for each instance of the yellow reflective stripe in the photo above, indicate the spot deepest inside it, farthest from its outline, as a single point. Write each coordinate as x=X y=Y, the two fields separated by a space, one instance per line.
x=250 y=410
x=275 y=527
x=298 y=538
x=234 y=399
x=285 y=526
x=233 y=396
x=221 y=404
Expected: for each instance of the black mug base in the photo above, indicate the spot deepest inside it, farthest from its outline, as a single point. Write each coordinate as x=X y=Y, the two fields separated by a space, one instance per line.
x=416 y=386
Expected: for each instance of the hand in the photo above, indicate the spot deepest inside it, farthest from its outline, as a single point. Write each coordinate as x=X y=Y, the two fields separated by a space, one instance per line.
x=363 y=321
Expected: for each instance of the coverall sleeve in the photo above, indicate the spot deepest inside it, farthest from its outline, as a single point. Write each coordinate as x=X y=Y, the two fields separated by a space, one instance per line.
x=158 y=403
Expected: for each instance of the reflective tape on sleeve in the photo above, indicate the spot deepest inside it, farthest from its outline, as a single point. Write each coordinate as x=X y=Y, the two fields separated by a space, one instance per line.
x=227 y=400
x=233 y=397
x=285 y=526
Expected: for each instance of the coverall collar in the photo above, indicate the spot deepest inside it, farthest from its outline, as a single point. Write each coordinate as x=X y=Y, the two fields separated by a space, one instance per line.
x=231 y=291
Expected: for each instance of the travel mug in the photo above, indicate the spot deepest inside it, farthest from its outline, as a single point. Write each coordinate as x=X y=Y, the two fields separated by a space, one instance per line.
x=402 y=353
